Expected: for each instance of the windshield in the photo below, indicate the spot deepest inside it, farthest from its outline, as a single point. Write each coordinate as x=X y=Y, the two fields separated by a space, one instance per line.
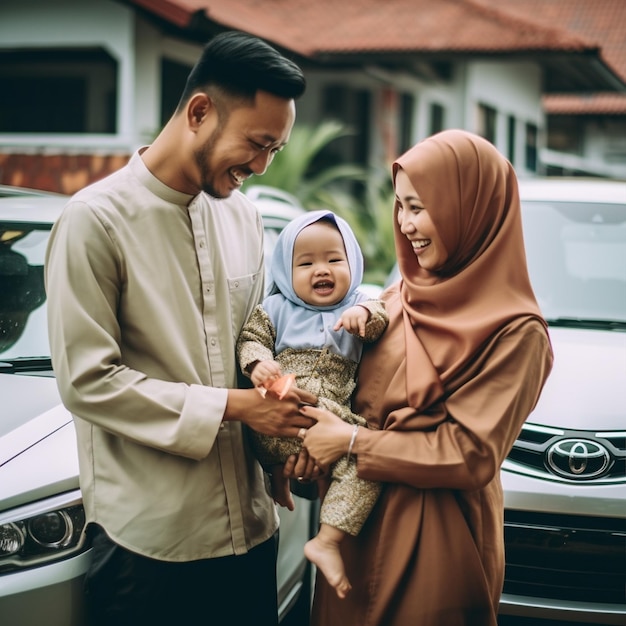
x=23 y=330
x=23 y=323
x=577 y=258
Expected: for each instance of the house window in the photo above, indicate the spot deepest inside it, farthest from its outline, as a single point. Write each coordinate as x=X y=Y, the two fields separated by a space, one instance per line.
x=173 y=80
x=531 y=147
x=486 y=122
x=405 y=125
x=352 y=107
x=58 y=91
x=511 y=145
x=437 y=118
x=565 y=134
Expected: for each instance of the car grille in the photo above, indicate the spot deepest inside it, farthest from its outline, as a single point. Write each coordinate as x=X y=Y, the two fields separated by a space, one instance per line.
x=564 y=557
x=569 y=455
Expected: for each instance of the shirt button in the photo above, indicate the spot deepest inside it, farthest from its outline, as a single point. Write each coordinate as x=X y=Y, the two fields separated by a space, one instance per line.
x=213 y=342
x=236 y=283
x=201 y=244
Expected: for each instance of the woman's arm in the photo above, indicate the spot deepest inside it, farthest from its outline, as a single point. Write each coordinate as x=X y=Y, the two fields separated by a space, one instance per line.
x=472 y=431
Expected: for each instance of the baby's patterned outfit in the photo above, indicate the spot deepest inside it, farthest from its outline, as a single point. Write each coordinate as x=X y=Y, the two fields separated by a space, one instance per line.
x=331 y=377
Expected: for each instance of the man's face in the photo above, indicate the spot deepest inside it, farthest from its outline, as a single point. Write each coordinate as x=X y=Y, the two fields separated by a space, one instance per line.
x=244 y=143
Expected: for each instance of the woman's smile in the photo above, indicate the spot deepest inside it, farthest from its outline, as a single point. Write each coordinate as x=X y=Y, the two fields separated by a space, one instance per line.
x=419 y=245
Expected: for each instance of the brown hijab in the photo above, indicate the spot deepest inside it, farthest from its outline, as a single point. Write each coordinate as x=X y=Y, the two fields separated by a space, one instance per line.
x=470 y=191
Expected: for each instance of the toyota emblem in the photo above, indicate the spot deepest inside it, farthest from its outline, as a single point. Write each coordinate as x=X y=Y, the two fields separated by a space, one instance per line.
x=578 y=459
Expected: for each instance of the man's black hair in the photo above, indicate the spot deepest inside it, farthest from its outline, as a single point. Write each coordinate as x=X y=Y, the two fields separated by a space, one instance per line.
x=240 y=65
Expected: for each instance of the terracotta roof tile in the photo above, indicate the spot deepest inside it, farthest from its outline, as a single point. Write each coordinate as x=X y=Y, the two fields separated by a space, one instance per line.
x=593 y=104
x=334 y=28
x=357 y=26
x=601 y=21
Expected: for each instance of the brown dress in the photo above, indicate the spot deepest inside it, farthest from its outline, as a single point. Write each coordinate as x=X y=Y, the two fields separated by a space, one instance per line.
x=466 y=355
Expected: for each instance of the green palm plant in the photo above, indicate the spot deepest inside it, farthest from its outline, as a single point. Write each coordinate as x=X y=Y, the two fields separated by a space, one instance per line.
x=299 y=169
x=371 y=218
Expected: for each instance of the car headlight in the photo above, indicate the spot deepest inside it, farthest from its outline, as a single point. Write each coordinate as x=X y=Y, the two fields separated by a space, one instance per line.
x=46 y=531
x=11 y=539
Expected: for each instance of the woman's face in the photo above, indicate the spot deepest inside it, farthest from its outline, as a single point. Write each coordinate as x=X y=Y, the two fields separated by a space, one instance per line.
x=417 y=226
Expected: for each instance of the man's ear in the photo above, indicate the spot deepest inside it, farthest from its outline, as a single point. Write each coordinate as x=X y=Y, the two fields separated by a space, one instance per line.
x=198 y=107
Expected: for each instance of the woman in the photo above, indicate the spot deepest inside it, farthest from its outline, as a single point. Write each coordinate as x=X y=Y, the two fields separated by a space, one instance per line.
x=445 y=392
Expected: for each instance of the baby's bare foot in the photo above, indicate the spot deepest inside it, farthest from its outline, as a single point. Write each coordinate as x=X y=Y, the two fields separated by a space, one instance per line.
x=327 y=558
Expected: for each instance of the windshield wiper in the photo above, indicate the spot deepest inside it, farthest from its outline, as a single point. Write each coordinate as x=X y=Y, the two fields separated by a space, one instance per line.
x=26 y=364
x=581 y=322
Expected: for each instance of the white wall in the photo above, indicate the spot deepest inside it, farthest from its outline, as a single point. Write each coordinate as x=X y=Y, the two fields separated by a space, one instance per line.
x=512 y=89
x=151 y=47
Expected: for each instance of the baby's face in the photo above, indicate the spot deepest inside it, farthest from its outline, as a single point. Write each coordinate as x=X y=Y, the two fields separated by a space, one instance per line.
x=320 y=270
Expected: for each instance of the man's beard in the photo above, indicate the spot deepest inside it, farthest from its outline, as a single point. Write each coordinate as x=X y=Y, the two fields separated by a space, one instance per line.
x=202 y=157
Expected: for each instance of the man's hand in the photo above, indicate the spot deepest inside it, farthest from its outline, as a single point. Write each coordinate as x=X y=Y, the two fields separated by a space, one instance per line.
x=270 y=416
x=281 y=492
x=304 y=469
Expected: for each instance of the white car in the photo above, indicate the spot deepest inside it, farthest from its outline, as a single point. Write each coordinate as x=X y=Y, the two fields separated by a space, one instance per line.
x=565 y=479
x=43 y=555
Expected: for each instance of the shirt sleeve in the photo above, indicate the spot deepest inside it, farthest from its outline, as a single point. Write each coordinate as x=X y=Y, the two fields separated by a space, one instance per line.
x=377 y=323
x=472 y=431
x=256 y=340
x=84 y=278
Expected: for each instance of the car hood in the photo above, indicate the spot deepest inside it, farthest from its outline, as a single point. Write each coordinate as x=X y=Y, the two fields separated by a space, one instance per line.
x=38 y=455
x=585 y=390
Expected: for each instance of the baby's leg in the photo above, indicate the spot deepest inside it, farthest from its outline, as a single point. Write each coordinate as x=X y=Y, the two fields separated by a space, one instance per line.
x=345 y=507
x=323 y=552
x=274 y=450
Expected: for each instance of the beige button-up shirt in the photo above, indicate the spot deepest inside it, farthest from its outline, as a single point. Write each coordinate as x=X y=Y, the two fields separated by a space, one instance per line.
x=148 y=289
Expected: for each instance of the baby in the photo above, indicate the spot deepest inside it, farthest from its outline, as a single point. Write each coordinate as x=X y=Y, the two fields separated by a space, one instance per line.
x=313 y=325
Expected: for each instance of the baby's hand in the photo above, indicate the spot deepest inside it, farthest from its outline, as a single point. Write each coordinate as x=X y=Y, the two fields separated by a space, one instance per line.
x=265 y=373
x=354 y=320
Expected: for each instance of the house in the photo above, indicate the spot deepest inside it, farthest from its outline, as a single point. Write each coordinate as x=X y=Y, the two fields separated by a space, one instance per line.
x=585 y=132
x=86 y=83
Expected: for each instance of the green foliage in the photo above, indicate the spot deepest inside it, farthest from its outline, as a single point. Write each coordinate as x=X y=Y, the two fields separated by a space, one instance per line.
x=372 y=221
x=363 y=198
x=297 y=170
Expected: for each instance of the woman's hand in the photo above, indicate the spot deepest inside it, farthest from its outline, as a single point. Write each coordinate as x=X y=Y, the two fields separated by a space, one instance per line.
x=328 y=439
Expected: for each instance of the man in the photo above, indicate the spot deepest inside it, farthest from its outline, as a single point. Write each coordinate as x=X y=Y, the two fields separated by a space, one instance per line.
x=151 y=273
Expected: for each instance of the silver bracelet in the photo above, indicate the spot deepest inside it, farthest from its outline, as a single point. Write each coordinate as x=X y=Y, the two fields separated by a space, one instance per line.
x=355 y=432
